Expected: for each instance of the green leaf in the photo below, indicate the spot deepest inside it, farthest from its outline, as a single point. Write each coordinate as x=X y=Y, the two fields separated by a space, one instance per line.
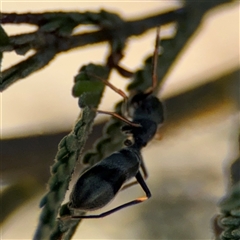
x=88 y=85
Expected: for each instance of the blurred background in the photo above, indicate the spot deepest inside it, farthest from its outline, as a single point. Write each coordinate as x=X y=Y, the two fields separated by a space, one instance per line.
x=187 y=167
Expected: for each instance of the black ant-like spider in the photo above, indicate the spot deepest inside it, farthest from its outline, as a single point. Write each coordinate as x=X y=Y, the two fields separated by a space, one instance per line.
x=99 y=185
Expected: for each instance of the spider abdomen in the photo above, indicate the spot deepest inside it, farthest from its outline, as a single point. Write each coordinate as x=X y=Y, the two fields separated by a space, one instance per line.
x=98 y=186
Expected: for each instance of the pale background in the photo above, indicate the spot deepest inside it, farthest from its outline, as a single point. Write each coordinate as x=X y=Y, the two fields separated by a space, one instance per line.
x=188 y=155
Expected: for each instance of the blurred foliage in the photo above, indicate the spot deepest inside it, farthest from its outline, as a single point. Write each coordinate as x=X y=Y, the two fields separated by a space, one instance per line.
x=54 y=35
x=4 y=40
x=16 y=194
x=227 y=223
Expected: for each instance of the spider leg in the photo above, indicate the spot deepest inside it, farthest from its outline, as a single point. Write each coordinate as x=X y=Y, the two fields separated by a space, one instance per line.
x=144 y=186
x=115 y=89
x=119 y=117
x=155 y=63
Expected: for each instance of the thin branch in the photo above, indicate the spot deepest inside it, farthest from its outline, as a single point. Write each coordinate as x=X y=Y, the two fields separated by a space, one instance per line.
x=59 y=42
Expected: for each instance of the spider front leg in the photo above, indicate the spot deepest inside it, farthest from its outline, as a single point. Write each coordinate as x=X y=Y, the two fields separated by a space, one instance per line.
x=144 y=186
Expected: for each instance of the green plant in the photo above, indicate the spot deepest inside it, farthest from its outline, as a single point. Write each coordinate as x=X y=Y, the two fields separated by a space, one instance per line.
x=54 y=36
